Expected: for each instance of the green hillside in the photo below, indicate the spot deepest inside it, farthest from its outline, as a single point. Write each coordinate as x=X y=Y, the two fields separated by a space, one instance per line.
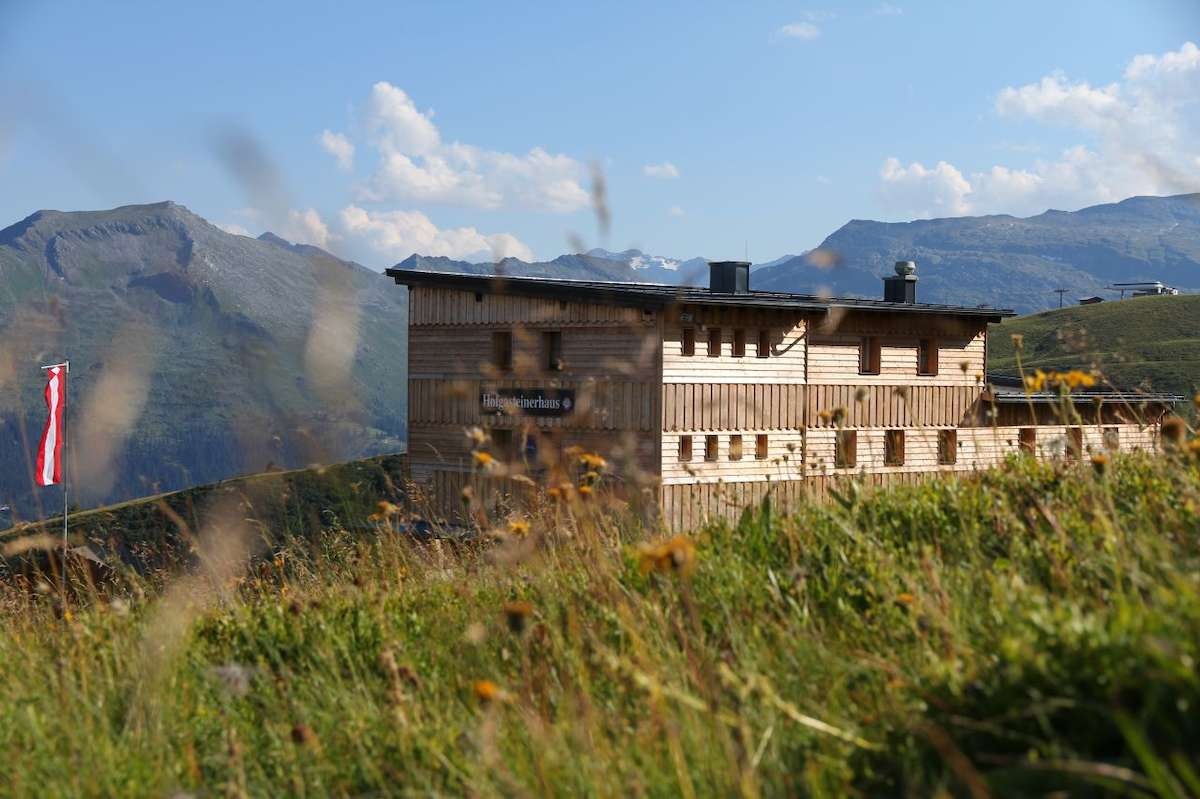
x=932 y=640
x=1150 y=342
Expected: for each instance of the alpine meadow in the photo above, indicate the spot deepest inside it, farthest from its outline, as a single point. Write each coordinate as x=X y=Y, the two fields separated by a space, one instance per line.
x=600 y=400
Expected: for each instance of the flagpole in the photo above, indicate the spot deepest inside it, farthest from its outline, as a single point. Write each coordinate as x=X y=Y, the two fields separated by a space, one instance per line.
x=62 y=577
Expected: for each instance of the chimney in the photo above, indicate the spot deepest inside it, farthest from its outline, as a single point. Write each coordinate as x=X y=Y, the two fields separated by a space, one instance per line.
x=902 y=287
x=729 y=277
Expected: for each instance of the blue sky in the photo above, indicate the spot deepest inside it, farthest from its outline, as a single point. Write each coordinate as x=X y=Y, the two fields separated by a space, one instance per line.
x=469 y=129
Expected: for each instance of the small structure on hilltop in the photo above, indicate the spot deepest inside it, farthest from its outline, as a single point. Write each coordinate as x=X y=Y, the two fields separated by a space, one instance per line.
x=1155 y=288
x=715 y=397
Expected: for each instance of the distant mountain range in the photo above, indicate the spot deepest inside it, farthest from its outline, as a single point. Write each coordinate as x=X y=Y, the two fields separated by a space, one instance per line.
x=1003 y=261
x=197 y=355
x=193 y=353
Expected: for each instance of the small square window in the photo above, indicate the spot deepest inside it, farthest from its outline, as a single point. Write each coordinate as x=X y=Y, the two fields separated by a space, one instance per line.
x=552 y=350
x=845 y=449
x=502 y=350
x=710 y=448
x=685 y=449
x=1028 y=437
x=868 y=355
x=893 y=448
x=947 y=447
x=502 y=443
x=739 y=343
x=714 y=342
x=927 y=357
x=1074 y=442
x=760 y=446
x=735 y=448
x=689 y=341
x=1112 y=439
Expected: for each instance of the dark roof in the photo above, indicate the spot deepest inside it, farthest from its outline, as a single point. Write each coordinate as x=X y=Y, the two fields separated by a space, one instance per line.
x=1011 y=389
x=654 y=295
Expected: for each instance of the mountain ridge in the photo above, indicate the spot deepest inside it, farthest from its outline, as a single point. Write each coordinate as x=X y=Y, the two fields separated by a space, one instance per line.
x=193 y=352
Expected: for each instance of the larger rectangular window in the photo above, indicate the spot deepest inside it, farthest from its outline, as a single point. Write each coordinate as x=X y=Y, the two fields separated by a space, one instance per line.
x=552 y=350
x=927 y=356
x=947 y=447
x=764 y=343
x=714 y=342
x=739 y=343
x=710 y=448
x=845 y=449
x=735 y=448
x=502 y=350
x=760 y=446
x=868 y=355
x=1074 y=442
x=685 y=449
x=1028 y=437
x=689 y=341
x=893 y=448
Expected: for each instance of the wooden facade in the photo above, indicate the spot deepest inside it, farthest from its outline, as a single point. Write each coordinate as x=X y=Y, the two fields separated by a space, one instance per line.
x=716 y=404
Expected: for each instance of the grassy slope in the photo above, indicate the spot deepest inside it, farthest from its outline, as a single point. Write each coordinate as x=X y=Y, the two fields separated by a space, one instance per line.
x=1152 y=342
x=1028 y=630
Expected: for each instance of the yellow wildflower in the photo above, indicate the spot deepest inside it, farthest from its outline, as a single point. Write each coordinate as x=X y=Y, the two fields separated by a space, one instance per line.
x=517 y=615
x=484 y=459
x=905 y=598
x=676 y=554
x=593 y=461
x=519 y=527
x=585 y=490
x=487 y=691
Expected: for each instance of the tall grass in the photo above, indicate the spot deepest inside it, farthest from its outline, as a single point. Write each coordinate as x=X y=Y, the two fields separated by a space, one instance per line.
x=1030 y=629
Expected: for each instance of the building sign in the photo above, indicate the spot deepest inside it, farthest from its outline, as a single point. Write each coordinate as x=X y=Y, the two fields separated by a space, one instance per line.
x=528 y=401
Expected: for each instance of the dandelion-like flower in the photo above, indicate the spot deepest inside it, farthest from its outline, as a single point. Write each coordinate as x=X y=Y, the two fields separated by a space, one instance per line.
x=487 y=691
x=482 y=458
x=593 y=461
x=519 y=527
x=517 y=615
x=676 y=554
x=1099 y=463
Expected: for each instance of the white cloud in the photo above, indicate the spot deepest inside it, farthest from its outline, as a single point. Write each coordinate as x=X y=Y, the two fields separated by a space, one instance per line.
x=805 y=31
x=1140 y=135
x=234 y=228
x=306 y=227
x=666 y=170
x=824 y=181
x=940 y=191
x=399 y=234
x=887 y=10
x=340 y=147
x=415 y=164
x=675 y=210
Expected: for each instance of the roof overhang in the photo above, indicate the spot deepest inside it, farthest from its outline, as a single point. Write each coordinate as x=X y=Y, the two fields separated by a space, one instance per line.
x=657 y=296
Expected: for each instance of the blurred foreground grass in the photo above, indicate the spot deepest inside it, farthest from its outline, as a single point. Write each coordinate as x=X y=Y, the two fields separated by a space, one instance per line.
x=1031 y=629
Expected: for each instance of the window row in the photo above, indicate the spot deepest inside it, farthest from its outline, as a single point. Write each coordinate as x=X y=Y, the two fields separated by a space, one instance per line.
x=845 y=453
x=552 y=350
x=715 y=337
x=735 y=448
x=870 y=356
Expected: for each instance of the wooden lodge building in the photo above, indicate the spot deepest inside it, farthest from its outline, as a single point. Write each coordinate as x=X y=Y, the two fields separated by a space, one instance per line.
x=714 y=396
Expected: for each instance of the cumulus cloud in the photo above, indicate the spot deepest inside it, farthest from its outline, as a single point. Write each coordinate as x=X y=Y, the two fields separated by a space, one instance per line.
x=887 y=10
x=416 y=164
x=340 y=147
x=666 y=170
x=306 y=227
x=805 y=31
x=1140 y=135
x=676 y=211
x=399 y=234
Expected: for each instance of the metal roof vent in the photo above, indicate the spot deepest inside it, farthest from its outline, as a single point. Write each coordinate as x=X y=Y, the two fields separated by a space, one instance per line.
x=903 y=287
x=729 y=277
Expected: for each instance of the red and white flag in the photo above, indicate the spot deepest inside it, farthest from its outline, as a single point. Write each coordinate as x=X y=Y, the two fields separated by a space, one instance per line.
x=49 y=458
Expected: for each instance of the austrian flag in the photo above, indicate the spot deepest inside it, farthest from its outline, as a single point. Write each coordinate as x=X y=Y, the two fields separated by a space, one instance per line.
x=49 y=458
